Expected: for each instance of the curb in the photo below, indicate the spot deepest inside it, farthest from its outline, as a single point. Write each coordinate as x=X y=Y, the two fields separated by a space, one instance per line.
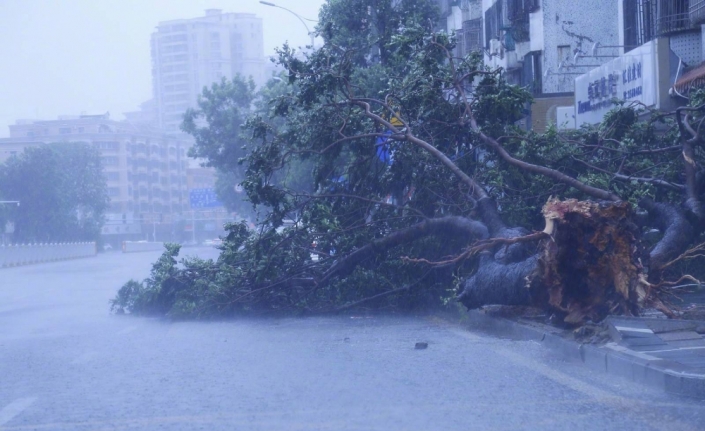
x=610 y=358
x=40 y=262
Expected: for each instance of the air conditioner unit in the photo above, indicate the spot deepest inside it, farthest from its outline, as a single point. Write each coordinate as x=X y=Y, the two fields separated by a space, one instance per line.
x=495 y=47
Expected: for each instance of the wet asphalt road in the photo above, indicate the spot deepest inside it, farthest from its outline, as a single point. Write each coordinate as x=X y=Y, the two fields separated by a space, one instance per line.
x=67 y=364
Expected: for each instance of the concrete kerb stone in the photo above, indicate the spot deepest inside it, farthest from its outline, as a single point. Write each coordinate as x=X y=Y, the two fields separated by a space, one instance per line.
x=31 y=254
x=612 y=359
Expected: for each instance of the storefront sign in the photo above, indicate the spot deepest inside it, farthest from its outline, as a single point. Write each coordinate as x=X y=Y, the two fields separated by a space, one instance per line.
x=630 y=78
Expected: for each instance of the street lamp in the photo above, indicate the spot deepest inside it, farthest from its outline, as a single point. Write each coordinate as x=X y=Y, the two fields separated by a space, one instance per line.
x=266 y=3
x=10 y=202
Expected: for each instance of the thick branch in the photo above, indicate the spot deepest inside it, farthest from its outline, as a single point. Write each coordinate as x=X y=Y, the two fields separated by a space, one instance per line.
x=495 y=283
x=677 y=232
x=529 y=167
x=477 y=191
x=622 y=177
x=543 y=170
x=452 y=226
x=689 y=166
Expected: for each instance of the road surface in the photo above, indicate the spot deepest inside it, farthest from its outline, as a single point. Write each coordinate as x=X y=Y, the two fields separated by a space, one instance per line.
x=66 y=363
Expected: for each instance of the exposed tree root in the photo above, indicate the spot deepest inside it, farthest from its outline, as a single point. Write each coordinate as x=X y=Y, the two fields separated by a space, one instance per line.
x=691 y=253
x=590 y=266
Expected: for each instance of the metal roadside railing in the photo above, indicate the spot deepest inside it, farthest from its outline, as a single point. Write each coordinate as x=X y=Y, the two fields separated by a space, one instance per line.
x=28 y=254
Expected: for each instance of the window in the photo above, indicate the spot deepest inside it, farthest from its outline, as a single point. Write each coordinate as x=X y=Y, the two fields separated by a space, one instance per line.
x=112 y=176
x=110 y=161
x=472 y=36
x=175 y=88
x=564 y=54
x=494 y=23
x=64 y=130
x=519 y=9
x=113 y=191
x=107 y=145
x=175 y=48
x=531 y=75
x=175 y=78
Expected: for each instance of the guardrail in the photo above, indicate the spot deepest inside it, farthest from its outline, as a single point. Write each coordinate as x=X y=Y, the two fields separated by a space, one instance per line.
x=28 y=254
x=139 y=246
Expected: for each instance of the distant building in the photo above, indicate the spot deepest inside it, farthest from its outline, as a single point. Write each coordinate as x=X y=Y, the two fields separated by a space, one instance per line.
x=147 y=172
x=146 y=115
x=189 y=54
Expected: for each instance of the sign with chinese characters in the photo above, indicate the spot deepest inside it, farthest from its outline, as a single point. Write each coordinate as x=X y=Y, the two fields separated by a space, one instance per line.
x=629 y=78
x=204 y=198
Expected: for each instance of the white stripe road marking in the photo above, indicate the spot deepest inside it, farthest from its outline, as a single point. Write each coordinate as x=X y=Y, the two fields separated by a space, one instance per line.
x=14 y=408
x=628 y=328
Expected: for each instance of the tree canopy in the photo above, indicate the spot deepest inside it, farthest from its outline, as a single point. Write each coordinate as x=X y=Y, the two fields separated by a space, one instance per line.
x=414 y=157
x=62 y=192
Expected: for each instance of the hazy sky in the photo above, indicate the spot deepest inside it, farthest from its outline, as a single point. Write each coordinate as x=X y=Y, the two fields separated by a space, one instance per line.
x=68 y=56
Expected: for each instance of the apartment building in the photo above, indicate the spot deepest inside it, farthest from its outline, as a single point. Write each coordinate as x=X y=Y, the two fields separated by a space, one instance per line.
x=189 y=54
x=661 y=59
x=146 y=170
x=576 y=56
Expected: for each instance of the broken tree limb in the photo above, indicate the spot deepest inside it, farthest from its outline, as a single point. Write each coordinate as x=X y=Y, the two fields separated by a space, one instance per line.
x=497 y=283
x=451 y=226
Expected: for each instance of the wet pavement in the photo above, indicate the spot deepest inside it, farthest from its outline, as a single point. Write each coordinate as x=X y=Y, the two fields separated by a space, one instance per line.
x=66 y=363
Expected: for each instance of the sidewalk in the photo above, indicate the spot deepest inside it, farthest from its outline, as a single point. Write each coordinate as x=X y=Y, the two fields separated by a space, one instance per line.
x=662 y=353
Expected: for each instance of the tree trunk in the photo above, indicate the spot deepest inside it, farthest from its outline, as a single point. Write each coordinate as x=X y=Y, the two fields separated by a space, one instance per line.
x=592 y=265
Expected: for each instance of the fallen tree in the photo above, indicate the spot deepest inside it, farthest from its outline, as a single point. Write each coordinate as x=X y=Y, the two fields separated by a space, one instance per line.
x=421 y=186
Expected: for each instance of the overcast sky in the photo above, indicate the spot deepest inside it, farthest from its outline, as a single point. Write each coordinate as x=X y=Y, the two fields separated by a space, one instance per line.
x=68 y=56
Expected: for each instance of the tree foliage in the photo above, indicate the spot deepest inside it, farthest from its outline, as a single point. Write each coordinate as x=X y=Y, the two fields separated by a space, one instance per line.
x=413 y=156
x=62 y=192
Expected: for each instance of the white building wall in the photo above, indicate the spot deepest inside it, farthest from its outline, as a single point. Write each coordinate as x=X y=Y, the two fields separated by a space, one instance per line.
x=572 y=27
x=190 y=54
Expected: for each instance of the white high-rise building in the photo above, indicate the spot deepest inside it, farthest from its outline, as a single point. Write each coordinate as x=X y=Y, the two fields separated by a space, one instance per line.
x=188 y=54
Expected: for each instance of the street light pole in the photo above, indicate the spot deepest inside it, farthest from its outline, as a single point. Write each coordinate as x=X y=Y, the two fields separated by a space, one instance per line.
x=266 y=3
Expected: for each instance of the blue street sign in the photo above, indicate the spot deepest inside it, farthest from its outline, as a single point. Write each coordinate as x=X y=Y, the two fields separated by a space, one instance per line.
x=204 y=198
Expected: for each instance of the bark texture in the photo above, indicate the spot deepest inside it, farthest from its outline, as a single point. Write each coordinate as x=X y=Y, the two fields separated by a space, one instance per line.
x=677 y=231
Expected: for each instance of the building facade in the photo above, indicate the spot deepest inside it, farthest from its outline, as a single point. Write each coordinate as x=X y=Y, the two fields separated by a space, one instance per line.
x=661 y=59
x=562 y=50
x=542 y=45
x=189 y=54
x=146 y=171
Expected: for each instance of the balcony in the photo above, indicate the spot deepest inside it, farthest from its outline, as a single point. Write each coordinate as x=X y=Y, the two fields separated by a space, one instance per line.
x=645 y=20
x=672 y=16
x=697 y=12
x=519 y=10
